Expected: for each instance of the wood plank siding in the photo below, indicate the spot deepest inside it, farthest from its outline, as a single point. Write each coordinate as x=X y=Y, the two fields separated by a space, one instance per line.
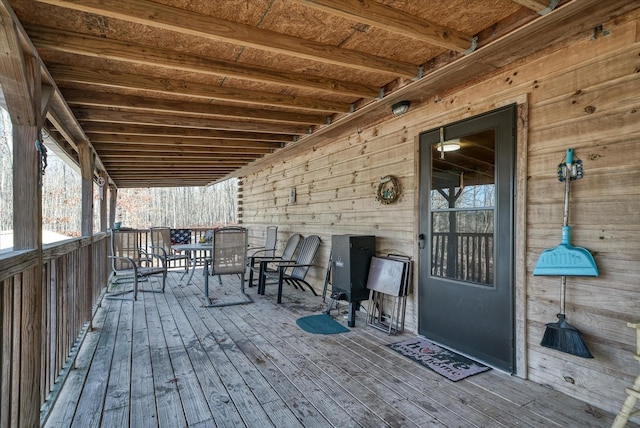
x=585 y=95
x=166 y=361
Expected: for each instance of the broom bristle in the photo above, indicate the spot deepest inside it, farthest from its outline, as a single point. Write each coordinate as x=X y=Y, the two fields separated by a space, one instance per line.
x=564 y=337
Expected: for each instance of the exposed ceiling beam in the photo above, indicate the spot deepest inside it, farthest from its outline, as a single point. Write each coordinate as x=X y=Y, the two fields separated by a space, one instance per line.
x=116 y=79
x=132 y=103
x=157 y=15
x=102 y=140
x=107 y=148
x=169 y=162
x=396 y=21
x=186 y=133
x=149 y=153
x=14 y=75
x=97 y=47
x=112 y=116
x=540 y=6
x=233 y=153
x=59 y=114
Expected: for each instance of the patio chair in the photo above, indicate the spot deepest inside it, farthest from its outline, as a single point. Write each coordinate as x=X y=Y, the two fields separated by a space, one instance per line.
x=127 y=259
x=269 y=247
x=161 y=237
x=292 y=272
x=228 y=257
x=287 y=254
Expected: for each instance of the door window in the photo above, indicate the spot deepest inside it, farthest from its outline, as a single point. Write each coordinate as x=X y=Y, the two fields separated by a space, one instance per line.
x=462 y=202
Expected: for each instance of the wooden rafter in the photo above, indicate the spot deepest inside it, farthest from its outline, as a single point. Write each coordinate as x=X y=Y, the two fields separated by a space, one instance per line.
x=396 y=21
x=102 y=140
x=183 y=133
x=81 y=44
x=182 y=108
x=113 y=116
x=182 y=21
x=14 y=77
x=121 y=80
x=536 y=5
x=228 y=153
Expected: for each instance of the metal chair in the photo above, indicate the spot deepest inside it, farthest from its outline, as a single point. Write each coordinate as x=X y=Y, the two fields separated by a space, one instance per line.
x=127 y=258
x=228 y=257
x=269 y=248
x=292 y=272
x=161 y=237
x=287 y=254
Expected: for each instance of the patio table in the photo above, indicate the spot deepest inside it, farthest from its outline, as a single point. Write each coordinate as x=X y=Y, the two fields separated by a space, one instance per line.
x=197 y=251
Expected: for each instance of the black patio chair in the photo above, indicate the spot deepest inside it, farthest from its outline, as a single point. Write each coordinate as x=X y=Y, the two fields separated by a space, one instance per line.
x=292 y=272
x=287 y=254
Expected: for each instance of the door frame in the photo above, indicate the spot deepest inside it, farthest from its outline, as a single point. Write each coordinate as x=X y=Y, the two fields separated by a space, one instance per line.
x=444 y=117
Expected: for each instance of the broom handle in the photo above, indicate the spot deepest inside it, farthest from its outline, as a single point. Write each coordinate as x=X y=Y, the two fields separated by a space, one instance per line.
x=565 y=220
x=567 y=179
x=563 y=287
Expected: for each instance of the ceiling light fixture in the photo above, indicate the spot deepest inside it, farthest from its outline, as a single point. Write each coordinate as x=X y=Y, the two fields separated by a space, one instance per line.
x=401 y=107
x=449 y=145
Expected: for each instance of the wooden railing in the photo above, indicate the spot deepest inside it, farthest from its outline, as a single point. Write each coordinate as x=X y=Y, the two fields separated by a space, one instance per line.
x=46 y=305
x=463 y=256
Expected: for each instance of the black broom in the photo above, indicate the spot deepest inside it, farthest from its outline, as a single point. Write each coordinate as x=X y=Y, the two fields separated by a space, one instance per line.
x=561 y=335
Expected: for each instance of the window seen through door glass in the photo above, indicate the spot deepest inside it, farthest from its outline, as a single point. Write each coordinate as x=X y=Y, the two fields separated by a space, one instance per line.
x=462 y=209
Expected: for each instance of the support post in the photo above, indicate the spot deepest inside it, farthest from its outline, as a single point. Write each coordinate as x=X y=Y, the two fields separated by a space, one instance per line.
x=104 y=224
x=113 y=198
x=86 y=171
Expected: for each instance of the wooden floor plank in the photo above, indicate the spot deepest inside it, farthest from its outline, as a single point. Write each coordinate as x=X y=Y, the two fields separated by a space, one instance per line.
x=165 y=380
x=65 y=406
x=447 y=394
x=413 y=413
x=119 y=385
x=165 y=360
x=90 y=403
x=206 y=350
x=143 y=404
x=296 y=388
x=356 y=398
x=179 y=337
x=230 y=363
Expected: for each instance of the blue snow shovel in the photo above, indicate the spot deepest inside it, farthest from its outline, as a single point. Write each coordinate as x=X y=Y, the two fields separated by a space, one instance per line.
x=565 y=259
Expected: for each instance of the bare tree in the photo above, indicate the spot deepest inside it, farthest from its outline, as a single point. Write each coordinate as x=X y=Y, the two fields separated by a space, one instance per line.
x=139 y=208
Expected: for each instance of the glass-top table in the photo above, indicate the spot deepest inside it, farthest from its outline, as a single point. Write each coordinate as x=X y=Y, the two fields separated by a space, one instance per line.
x=197 y=251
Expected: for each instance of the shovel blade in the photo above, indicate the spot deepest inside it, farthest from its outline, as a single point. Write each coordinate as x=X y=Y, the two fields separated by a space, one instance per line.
x=566 y=260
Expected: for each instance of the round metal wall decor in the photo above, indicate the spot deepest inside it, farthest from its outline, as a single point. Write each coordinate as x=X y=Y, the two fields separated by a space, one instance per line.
x=388 y=190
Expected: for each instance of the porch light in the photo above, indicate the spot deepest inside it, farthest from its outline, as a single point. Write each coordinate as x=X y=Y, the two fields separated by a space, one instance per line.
x=449 y=145
x=400 y=108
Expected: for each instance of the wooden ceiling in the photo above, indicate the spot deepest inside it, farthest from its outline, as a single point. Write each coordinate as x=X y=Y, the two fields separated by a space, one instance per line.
x=186 y=93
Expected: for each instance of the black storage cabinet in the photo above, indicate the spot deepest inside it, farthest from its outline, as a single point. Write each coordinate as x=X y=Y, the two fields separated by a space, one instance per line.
x=351 y=258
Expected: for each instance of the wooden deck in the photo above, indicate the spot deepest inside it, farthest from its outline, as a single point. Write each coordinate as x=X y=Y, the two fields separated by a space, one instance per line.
x=167 y=361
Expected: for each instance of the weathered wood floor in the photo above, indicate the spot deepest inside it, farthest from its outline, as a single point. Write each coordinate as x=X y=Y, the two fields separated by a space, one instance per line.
x=167 y=361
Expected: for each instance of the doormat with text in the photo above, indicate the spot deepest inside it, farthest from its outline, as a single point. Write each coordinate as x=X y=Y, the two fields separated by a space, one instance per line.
x=447 y=363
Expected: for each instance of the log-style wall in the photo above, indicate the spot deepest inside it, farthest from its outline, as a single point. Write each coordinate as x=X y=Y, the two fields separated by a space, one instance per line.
x=586 y=96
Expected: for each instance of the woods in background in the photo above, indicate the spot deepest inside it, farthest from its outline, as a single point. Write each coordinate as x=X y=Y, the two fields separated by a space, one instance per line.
x=137 y=208
x=178 y=207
